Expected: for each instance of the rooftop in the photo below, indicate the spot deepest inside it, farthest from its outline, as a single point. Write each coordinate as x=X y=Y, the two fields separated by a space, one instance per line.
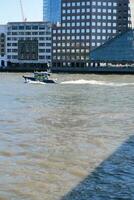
x=118 y=49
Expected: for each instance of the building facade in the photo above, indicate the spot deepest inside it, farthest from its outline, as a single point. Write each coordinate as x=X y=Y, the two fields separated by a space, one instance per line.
x=28 y=43
x=52 y=10
x=119 y=55
x=86 y=25
x=3 y=57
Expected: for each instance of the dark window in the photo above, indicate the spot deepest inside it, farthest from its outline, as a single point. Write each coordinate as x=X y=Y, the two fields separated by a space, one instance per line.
x=28 y=49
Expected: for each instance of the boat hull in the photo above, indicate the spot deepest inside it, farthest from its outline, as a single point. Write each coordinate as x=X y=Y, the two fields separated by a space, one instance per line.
x=32 y=79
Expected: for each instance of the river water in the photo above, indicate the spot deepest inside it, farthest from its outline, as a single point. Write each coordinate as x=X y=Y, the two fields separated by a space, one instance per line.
x=72 y=140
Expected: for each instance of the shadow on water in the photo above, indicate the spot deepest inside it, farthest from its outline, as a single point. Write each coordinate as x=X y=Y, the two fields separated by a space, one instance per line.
x=112 y=179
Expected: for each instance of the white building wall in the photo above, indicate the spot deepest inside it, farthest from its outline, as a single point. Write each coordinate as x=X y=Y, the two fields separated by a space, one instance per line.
x=42 y=34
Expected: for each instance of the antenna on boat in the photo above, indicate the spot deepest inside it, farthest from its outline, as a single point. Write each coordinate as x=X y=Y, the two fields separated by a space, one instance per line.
x=22 y=12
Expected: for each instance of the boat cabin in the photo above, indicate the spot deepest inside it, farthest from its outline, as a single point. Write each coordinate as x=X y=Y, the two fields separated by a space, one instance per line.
x=41 y=76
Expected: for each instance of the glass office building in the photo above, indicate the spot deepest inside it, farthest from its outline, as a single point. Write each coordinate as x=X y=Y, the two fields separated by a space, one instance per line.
x=86 y=25
x=122 y=48
x=52 y=10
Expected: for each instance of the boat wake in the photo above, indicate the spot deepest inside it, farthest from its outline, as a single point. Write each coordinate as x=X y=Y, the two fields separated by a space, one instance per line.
x=35 y=82
x=94 y=82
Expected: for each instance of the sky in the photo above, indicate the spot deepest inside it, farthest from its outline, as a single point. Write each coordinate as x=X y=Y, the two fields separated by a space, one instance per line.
x=132 y=11
x=10 y=10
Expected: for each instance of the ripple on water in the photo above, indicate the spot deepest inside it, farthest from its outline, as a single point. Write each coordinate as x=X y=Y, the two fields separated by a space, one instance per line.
x=55 y=139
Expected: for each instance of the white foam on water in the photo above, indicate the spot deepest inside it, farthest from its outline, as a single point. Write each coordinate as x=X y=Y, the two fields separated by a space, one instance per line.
x=94 y=82
x=36 y=82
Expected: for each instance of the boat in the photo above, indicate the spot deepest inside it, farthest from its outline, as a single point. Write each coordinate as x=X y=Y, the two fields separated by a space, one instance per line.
x=39 y=77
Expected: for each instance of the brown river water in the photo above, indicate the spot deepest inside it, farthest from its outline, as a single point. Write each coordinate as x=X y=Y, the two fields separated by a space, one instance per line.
x=67 y=141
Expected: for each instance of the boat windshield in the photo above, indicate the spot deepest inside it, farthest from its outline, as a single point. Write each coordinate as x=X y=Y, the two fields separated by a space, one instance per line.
x=40 y=76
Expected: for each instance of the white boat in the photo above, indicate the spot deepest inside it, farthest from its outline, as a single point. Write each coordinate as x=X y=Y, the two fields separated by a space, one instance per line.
x=41 y=77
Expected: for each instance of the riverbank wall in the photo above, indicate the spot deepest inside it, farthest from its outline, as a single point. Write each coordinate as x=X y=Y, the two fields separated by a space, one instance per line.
x=23 y=68
x=95 y=70
x=83 y=70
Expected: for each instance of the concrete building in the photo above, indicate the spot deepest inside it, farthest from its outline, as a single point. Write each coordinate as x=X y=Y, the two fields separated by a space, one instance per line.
x=28 y=43
x=3 y=57
x=86 y=25
x=52 y=10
